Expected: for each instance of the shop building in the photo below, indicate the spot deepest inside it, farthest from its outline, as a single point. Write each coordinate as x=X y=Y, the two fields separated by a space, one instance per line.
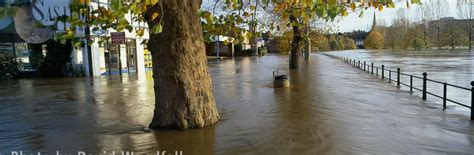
x=96 y=59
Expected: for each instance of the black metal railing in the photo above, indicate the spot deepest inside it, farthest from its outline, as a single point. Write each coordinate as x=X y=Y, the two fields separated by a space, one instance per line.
x=369 y=68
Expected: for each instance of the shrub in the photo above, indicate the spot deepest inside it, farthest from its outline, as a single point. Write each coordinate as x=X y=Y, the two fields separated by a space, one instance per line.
x=374 y=40
x=8 y=67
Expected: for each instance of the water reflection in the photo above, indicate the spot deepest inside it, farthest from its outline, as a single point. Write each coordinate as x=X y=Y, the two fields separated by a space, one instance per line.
x=330 y=108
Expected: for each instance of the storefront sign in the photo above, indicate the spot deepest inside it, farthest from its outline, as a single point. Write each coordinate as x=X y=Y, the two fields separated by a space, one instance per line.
x=118 y=37
x=47 y=12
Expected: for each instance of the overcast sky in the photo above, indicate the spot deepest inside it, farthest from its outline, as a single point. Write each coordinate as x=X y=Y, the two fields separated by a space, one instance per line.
x=354 y=22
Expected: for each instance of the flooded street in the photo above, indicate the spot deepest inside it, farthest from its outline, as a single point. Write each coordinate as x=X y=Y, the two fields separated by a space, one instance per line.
x=451 y=66
x=330 y=108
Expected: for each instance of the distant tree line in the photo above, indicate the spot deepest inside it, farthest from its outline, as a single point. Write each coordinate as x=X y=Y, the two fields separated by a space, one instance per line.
x=433 y=30
x=319 y=42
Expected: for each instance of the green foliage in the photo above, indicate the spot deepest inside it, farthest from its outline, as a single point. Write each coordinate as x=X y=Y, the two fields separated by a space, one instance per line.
x=334 y=44
x=290 y=13
x=319 y=42
x=348 y=43
x=8 y=67
x=238 y=14
x=283 y=42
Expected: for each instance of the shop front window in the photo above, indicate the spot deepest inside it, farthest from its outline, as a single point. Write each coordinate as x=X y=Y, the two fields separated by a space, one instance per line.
x=131 y=55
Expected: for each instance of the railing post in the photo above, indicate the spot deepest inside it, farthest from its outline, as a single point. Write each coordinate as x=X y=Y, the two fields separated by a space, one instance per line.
x=358 y=65
x=445 y=94
x=390 y=76
x=411 y=83
x=364 y=66
x=383 y=72
x=372 y=68
x=377 y=71
x=424 y=85
x=398 y=76
x=472 y=100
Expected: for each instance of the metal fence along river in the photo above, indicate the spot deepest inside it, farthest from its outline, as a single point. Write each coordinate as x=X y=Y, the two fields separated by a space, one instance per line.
x=369 y=68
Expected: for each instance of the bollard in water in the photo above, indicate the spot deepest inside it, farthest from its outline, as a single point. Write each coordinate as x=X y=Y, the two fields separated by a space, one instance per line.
x=398 y=76
x=280 y=80
x=383 y=72
x=364 y=65
x=424 y=85
x=472 y=100
x=445 y=94
x=390 y=76
x=372 y=70
x=411 y=83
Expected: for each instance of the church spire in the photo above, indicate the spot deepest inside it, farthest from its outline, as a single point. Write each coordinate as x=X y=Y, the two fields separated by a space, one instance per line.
x=374 y=23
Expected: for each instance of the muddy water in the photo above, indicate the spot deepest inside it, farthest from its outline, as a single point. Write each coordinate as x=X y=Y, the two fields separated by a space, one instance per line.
x=330 y=108
x=451 y=66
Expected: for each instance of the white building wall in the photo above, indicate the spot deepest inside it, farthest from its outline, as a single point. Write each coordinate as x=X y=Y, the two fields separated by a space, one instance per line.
x=96 y=59
x=140 y=58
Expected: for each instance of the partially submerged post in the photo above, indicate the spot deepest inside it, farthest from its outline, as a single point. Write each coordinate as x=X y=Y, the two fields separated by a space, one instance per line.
x=472 y=100
x=383 y=72
x=424 y=85
x=280 y=80
x=398 y=77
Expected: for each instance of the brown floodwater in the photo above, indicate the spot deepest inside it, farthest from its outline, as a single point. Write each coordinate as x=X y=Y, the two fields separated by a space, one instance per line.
x=330 y=108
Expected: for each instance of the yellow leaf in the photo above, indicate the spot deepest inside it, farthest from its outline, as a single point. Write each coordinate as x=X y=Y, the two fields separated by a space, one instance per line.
x=246 y=14
x=285 y=16
x=140 y=32
x=380 y=7
x=353 y=6
x=332 y=2
x=151 y=2
x=253 y=8
x=154 y=15
x=344 y=13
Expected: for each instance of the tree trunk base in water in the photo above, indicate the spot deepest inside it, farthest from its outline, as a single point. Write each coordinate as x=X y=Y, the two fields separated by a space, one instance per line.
x=183 y=87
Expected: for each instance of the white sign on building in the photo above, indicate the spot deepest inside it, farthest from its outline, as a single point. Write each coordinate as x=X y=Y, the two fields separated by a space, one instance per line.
x=47 y=12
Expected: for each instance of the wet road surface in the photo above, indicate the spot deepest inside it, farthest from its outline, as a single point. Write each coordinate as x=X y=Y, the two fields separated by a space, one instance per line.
x=330 y=108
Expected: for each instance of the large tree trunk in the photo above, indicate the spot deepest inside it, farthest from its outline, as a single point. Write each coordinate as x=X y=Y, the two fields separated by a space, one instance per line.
x=183 y=88
x=295 y=44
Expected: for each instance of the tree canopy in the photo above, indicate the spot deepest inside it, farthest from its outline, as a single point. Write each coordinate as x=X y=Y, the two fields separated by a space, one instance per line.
x=238 y=15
